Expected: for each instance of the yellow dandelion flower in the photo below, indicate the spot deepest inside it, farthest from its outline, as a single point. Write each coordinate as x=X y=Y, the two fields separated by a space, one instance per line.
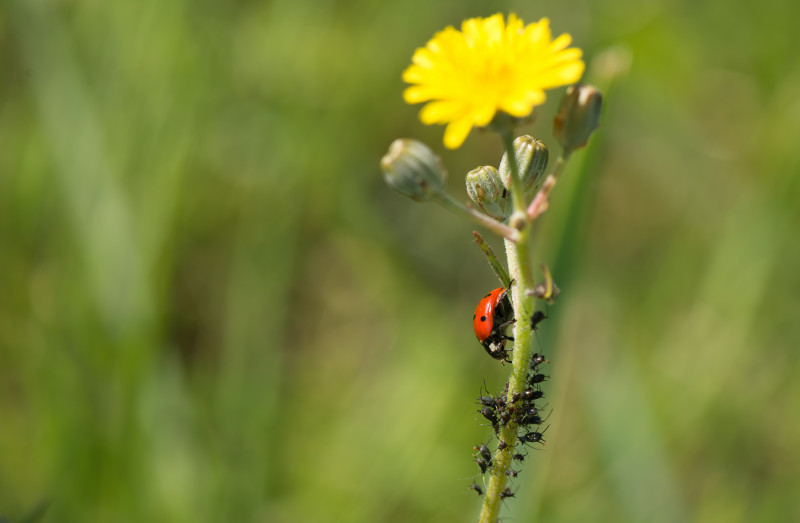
x=467 y=76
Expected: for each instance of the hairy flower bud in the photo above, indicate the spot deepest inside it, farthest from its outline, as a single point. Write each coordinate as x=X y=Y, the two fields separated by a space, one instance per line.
x=413 y=169
x=486 y=190
x=578 y=116
x=532 y=157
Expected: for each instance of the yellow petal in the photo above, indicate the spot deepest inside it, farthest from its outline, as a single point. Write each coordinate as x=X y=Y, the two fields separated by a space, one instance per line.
x=564 y=75
x=456 y=132
x=483 y=114
x=423 y=57
x=470 y=28
x=416 y=94
x=414 y=74
x=561 y=42
x=440 y=112
x=514 y=24
x=540 y=31
x=522 y=105
x=493 y=30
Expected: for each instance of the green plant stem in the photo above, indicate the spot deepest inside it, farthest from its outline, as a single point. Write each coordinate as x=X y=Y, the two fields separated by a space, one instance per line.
x=521 y=270
x=481 y=219
x=563 y=158
x=541 y=200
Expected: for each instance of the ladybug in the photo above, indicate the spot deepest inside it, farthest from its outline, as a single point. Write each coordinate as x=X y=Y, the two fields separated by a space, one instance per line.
x=492 y=315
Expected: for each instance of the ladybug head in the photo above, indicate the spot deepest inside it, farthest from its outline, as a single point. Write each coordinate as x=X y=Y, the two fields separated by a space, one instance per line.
x=495 y=347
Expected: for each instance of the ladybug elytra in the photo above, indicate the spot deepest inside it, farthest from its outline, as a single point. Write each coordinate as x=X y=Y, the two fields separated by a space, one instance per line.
x=492 y=315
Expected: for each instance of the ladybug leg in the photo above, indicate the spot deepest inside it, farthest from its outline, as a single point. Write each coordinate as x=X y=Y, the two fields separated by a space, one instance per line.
x=502 y=327
x=501 y=336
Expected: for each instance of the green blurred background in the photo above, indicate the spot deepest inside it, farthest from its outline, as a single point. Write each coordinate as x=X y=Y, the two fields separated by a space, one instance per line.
x=212 y=308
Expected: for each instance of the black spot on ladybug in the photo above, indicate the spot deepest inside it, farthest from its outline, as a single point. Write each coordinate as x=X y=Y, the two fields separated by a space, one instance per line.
x=483 y=318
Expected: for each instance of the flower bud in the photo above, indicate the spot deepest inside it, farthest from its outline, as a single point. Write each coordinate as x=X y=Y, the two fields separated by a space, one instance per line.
x=486 y=190
x=413 y=169
x=578 y=116
x=532 y=156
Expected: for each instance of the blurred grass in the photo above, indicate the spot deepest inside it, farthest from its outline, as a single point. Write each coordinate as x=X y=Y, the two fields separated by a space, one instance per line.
x=211 y=309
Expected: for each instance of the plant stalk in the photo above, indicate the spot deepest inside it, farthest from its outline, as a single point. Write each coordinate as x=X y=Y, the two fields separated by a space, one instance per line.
x=521 y=271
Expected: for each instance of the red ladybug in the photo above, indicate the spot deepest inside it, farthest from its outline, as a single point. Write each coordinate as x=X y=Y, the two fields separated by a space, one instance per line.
x=492 y=316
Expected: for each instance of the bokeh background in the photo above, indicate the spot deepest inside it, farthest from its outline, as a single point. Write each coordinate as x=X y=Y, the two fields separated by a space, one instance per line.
x=213 y=309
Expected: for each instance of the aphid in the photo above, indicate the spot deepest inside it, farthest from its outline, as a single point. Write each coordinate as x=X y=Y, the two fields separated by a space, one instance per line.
x=506 y=493
x=505 y=416
x=530 y=395
x=476 y=488
x=537 y=318
x=511 y=473
x=486 y=401
x=492 y=315
x=531 y=418
x=519 y=457
x=490 y=415
x=546 y=290
x=483 y=464
x=537 y=378
x=502 y=445
x=532 y=437
x=483 y=450
x=536 y=360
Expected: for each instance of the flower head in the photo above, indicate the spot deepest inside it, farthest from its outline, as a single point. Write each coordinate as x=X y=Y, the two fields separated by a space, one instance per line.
x=578 y=117
x=467 y=76
x=413 y=169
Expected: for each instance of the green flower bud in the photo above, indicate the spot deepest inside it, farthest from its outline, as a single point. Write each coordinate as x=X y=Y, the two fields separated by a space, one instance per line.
x=486 y=190
x=532 y=156
x=413 y=169
x=578 y=116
